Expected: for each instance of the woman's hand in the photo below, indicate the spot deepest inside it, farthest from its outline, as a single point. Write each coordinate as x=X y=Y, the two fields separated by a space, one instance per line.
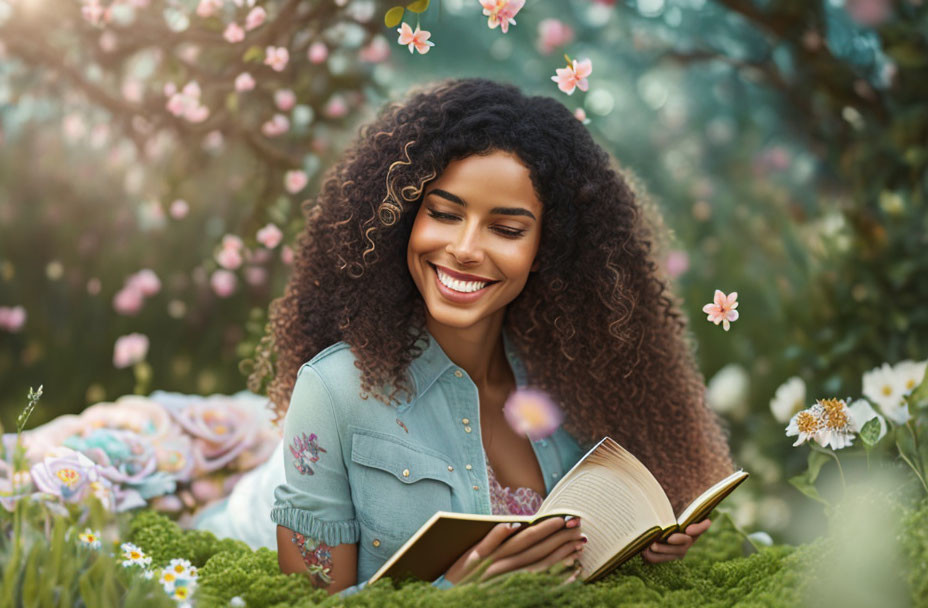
x=677 y=544
x=534 y=548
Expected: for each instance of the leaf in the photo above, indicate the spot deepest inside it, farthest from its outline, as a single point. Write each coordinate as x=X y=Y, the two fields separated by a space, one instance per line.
x=254 y=54
x=805 y=483
x=870 y=433
x=801 y=483
x=419 y=6
x=816 y=461
x=394 y=16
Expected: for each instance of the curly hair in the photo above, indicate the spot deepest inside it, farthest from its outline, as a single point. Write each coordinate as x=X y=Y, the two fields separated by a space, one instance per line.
x=596 y=325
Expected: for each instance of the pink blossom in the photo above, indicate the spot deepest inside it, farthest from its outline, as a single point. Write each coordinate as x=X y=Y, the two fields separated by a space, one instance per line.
x=377 y=50
x=223 y=283
x=336 y=107
x=677 y=263
x=128 y=301
x=186 y=103
x=294 y=181
x=66 y=474
x=418 y=40
x=231 y=241
x=146 y=281
x=12 y=318
x=129 y=350
x=278 y=125
x=318 y=52
x=208 y=8
x=94 y=12
x=723 y=309
x=286 y=255
x=270 y=236
x=213 y=141
x=233 y=33
x=532 y=412
x=169 y=89
x=285 y=99
x=108 y=41
x=869 y=13
x=501 y=12
x=179 y=209
x=244 y=82
x=255 y=276
x=277 y=57
x=132 y=91
x=229 y=258
x=573 y=76
x=255 y=18
x=553 y=33
x=580 y=114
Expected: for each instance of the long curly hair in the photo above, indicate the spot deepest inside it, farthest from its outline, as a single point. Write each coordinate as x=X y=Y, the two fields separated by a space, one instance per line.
x=596 y=325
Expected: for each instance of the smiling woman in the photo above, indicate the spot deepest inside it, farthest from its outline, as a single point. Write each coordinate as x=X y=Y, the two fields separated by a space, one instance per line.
x=472 y=241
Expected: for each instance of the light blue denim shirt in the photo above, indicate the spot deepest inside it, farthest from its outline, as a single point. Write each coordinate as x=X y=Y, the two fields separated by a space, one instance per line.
x=359 y=471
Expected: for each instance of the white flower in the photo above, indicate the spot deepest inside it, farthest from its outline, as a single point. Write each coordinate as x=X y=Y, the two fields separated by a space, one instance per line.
x=89 y=538
x=181 y=568
x=886 y=388
x=837 y=425
x=806 y=424
x=727 y=391
x=788 y=399
x=910 y=374
x=134 y=556
x=862 y=412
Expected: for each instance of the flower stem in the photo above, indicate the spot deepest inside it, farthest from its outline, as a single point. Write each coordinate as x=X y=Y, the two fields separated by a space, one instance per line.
x=918 y=453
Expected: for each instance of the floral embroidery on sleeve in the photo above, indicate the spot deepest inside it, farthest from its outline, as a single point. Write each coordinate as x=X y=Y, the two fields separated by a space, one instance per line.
x=318 y=559
x=305 y=450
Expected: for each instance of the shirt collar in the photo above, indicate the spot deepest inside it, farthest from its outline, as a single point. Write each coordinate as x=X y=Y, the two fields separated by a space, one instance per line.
x=433 y=362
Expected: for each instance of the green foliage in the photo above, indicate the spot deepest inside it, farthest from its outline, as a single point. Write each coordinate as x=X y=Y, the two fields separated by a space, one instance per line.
x=164 y=540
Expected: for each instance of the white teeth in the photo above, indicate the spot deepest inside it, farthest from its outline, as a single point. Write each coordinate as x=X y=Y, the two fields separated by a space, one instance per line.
x=462 y=286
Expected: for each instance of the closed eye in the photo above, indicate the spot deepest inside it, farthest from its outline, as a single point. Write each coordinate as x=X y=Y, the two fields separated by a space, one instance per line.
x=507 y=232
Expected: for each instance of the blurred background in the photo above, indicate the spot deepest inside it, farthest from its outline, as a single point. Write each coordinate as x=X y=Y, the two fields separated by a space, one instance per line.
x=154 y=155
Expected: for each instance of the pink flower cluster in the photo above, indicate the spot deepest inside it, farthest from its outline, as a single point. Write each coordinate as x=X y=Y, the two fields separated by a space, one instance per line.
x=186 y=102
x=143 y=284
x=501 y=12
x=12 y=318
x=129 y=350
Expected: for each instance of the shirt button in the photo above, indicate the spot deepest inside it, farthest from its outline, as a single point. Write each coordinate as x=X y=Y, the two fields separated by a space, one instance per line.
x=465 y=420
x=376 y=542
x=458 y=373
x=450 y=468
x=476 y=487
x=405 y=472
x=467 y=429
x=468 y=467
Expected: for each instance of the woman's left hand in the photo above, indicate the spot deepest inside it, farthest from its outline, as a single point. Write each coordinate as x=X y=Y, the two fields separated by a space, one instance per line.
x=677 y=544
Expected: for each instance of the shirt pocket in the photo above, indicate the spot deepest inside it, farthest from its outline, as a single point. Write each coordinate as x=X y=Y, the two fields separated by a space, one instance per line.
x=397 y=485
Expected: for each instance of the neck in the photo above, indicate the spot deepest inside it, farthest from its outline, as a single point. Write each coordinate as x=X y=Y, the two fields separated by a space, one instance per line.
x=477 y=349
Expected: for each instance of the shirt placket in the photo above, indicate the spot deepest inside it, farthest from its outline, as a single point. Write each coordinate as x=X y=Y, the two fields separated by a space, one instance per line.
x=466 y=407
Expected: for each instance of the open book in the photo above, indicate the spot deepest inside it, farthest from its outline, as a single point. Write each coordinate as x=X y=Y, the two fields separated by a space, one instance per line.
x=621 y=505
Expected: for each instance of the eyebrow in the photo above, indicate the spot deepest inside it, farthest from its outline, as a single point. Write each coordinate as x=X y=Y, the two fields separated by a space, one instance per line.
x=494 y=211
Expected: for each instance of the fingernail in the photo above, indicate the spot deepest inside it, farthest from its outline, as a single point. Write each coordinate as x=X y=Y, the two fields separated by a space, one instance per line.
x=515 y=525
x=653 y=546
x=583 y=538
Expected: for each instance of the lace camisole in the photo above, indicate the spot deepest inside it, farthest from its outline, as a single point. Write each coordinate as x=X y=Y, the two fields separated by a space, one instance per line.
x=508 y=501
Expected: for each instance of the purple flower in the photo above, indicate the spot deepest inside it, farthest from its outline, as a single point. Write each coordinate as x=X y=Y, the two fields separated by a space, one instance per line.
x=66 y=474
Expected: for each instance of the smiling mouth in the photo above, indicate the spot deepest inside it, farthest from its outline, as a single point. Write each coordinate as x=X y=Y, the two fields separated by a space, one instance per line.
x=457 y=284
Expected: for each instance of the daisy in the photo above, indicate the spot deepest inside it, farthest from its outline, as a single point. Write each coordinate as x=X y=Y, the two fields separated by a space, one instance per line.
x=838 y=425
x=886 y=388
x=133 y=556
x=910 y=374
x=181 y=568
x=418 y=40
x=722 y=310
x=789 y=399
x=807 y=424
x=574 y=76
x=501 y=12
x=89 y=538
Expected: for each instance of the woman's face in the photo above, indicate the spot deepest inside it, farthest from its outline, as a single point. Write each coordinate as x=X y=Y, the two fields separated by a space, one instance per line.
x=474 y=239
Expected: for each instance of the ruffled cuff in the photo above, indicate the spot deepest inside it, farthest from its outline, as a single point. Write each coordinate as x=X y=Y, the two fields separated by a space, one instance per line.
x=329 y=532
x=442 y=583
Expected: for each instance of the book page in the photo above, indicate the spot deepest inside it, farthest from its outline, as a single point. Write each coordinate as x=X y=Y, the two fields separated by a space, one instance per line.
x=618 y=499
x=705 y=502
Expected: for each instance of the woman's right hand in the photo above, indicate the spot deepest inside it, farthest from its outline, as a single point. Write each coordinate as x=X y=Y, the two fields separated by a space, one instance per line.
x=534 y=548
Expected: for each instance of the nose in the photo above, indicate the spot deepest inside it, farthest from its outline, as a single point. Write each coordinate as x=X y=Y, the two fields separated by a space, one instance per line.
x=466 y=246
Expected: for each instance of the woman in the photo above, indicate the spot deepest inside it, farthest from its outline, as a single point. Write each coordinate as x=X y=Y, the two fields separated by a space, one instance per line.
x=473 y=240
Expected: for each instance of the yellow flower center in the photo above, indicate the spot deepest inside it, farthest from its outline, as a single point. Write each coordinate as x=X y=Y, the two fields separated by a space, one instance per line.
x=168 y=577
x=910 y=384
x=887 y=390
x=134 y=555
x=178 y=568
x=68 y=477
x=180 y=593
x=807 y=422
x=835 y=414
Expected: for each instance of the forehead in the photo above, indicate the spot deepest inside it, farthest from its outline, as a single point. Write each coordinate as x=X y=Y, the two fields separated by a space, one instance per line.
x=491 y=179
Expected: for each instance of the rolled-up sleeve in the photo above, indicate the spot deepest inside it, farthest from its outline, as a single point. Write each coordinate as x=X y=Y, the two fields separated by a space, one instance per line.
x=316 y=498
